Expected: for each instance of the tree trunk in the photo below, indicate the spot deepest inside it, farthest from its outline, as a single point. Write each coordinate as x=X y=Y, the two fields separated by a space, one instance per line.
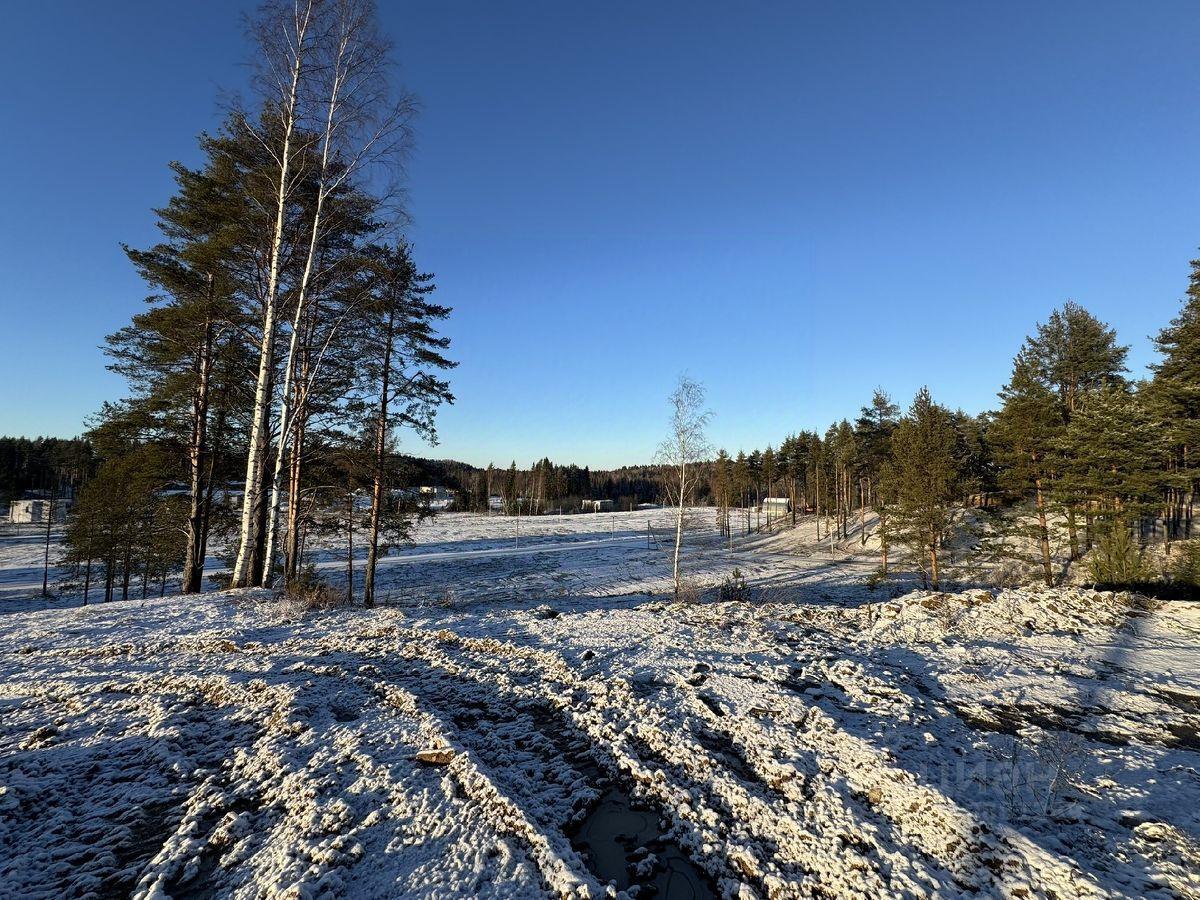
x=248 y=567
x=381 y=430
x=193 y=566
x=679 y=528
x=46 y=557
x=817 y=498
x=125 y=573
x=1043 y=532
x=883 y=542
x=291 y=548
x=862 y=511
x=350 y=543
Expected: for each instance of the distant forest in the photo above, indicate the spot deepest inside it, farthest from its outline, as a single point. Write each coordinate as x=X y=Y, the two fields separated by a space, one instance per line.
x=62 y=466
x=43 y=464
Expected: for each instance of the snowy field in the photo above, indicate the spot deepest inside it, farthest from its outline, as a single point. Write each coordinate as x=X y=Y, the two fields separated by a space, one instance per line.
x=464 y=557
x=531 y=716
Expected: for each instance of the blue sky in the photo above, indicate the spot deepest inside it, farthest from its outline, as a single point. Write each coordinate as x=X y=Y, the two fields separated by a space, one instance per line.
x=794 y=202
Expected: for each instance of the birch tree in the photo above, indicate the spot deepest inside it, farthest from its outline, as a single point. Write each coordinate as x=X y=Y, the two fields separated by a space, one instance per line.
x=682 y=452
x=284 y=36
x=361 y=124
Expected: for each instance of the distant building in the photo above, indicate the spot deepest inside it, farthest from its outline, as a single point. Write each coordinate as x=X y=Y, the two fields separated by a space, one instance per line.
x=438 y=497
x=776 y=506
x=230 y=496
x=496 y=503
x=598 y=506
x=33 y=512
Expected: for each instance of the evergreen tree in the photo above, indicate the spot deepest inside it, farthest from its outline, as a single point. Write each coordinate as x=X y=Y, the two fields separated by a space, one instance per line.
x=1113 y=451
x=184 y=357
x=924 y=475
x=1174 y=394
x=722 y=485
x=400 y=386
x=754 y=469
x=126 y=527
x=510 y=489
x=768 y=471
x=1026 y=435
x=873 y=433
x=741 y=477
x=1074 y=354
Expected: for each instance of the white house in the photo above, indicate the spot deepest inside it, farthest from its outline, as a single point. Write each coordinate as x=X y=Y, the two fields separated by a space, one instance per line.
x=32 y=512
x=776 y=506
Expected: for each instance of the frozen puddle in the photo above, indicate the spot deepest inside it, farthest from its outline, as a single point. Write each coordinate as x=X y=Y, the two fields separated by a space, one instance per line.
x=622 y=844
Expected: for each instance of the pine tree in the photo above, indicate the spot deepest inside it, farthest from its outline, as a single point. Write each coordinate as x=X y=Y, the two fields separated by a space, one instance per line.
x=755 y=471
x=924 y=476
x=184 y=357
x=846 y=465
x=873 y=433
x=741 y=477
x=1112 y=451
x=722 y=486
x=1074 y=354
x=1174 y=394
x=792 y=461
x=816 y=461
x=125 y=526
x=1027 y=435
x=399 y=383
x=510 y=489
x=768 y=471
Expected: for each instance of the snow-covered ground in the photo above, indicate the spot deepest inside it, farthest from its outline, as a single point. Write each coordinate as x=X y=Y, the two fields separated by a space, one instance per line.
x=463 y=557
x=813 y=739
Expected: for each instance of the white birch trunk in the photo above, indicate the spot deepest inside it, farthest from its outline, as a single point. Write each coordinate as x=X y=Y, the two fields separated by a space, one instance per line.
x=261 y=421
x=679 y=526
x=285 y=412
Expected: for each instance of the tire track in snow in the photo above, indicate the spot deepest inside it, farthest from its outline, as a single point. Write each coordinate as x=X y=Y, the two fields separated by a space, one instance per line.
x=919 y=814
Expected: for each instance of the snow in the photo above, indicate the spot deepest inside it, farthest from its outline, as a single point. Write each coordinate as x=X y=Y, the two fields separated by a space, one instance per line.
x=817 y=739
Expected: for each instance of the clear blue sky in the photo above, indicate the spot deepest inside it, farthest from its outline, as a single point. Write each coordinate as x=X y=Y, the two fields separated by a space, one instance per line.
x=794 y=202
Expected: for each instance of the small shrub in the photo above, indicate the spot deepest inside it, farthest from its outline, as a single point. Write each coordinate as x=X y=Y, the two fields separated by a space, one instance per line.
x=1118 y=560
x=1010 y=573
x=307 y=593
x=1044 y=769
x=733 y=588
x=690 y=591
x=1183 y=568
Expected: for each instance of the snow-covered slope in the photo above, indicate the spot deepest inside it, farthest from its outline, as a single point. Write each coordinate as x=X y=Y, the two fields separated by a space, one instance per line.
x=1012 y=744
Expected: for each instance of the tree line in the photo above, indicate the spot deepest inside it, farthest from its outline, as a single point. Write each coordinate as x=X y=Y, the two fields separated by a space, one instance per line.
x=1078 y=459
x=546 y=486
x=48 y=465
